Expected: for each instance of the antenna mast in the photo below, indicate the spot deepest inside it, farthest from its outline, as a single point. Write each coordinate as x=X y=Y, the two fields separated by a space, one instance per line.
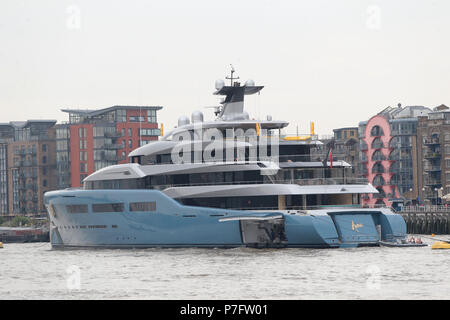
x=231 y=78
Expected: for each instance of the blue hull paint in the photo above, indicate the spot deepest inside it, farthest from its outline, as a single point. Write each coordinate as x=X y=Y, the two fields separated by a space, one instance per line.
x=176 y=225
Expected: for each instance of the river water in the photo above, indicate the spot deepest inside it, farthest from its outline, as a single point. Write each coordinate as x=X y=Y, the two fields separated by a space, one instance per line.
x=34 y=271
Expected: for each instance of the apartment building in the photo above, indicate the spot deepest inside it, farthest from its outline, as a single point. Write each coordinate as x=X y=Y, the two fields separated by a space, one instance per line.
x=94 y=139
x=388 y=154
x=27 y=165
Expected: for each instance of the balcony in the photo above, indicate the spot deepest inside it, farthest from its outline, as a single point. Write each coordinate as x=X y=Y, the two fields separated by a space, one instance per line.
x=432 y=155
x=30 y=175
x=31 y=187
x=114 y=146
x=393 y=182
x=29 y=163
x=363 y=172
x=363 y=146
x=429 y=142
x=432 y=168
x=114 y=158
x=33 y=198
x=19 y=152
x=378 y=157
x=432 y=182
x=115 y=134
x=378 y=181
x=394 y=157
x=378 y=169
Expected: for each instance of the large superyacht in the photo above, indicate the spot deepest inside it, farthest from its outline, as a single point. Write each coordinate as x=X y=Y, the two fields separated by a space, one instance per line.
x=230 y=182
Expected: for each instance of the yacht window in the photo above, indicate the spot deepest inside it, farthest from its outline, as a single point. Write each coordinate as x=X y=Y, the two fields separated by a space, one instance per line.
x=143 y=206
x=238 y=176
x=107 y=207
x=228 y=176
x=77 y=208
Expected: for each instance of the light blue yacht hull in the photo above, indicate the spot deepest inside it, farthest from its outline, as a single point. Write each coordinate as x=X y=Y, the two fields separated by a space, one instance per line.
x=172 y=224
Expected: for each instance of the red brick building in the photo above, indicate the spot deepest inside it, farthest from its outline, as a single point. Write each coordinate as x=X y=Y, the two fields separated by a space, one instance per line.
x=94 y=139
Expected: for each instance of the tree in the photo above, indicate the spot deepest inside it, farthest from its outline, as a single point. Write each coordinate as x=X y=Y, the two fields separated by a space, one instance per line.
x=20 y=221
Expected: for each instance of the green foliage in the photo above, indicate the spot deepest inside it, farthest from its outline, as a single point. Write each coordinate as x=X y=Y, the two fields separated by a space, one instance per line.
x=20 y=221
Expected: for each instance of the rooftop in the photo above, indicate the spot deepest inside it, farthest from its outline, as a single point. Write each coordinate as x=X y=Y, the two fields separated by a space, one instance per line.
x=90 y=112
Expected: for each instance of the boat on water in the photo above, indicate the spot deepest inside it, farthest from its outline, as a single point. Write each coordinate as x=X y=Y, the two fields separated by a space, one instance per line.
x=440 y=245
x=230 y=182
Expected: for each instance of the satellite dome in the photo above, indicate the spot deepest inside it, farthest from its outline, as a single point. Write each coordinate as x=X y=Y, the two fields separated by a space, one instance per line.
x=197 y=116
x=219 y=84
x=249 y=83
x=182 y=121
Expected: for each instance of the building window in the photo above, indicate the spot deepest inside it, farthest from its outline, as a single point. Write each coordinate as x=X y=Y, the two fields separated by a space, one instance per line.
x=149 y=132
x=44 y=183
x=151 y=116
x=82 y=132
x=44 y=159
x=130 y=132
x=137 y=119
x=44 y=148
x=376 y=131
x=377 y=143
x=123 y=132
x=130 y=144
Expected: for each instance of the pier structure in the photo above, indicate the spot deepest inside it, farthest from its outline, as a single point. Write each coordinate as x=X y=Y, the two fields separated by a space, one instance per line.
x=433 y=219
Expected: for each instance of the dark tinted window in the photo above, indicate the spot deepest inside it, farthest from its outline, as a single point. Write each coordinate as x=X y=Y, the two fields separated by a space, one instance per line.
x=142 y=206
x=108 y=207
x=77 y=208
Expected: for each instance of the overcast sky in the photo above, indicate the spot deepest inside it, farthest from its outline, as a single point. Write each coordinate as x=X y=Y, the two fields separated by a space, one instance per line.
x=332 y=62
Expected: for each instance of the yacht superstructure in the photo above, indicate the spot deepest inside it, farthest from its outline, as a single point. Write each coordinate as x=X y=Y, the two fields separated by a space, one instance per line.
x=230 y=182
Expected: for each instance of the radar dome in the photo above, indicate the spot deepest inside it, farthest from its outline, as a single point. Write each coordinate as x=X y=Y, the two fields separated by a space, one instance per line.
x=197 y=116
x=182 y=121
x=249 y=83
x=219 y=84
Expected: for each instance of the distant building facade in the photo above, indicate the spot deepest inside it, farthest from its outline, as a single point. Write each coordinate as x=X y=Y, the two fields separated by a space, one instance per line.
x=433 y=148
x=388 y=155
x=94 y=139
x=346 y=146
x=27 y=165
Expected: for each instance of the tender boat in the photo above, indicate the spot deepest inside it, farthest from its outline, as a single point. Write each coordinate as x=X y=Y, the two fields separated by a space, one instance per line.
x=441 y=245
